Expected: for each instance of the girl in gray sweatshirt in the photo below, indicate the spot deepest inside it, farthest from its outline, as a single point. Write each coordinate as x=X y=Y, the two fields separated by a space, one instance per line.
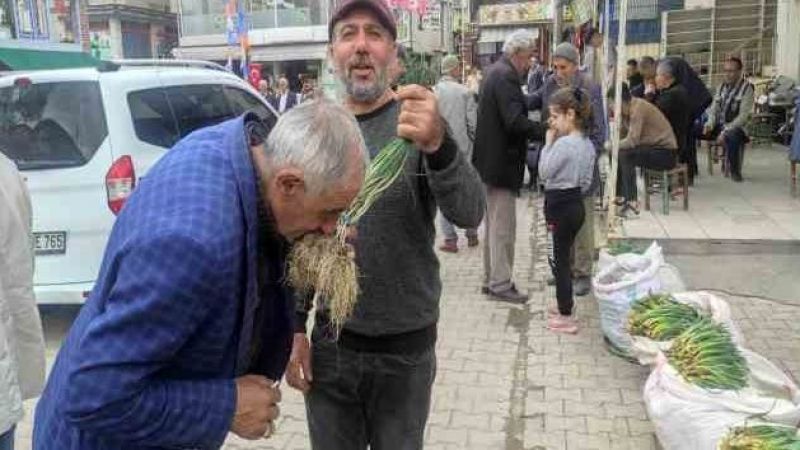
x=566 y=166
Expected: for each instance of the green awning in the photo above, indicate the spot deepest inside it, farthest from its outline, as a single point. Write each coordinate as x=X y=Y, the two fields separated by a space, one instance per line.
x=27 y=59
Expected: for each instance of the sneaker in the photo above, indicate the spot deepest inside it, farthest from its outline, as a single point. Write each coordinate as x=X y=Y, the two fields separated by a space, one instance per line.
x=510 y=295
x=472 y=241
x=581 y=286
x=449 y=246
x=562 y=324
x=737 y=178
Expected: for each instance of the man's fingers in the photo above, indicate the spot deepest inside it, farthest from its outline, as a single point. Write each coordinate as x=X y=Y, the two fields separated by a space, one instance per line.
x=295 y=378
x=410 y=132
x=305 y=361
x=412 y=91
x=412 y=118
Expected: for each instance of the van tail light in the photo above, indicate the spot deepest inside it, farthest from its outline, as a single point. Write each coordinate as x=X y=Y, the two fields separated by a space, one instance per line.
x=120 y=181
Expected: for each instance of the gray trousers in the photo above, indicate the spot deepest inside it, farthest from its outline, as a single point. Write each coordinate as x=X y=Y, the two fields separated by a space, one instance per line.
x=499 y=238
x=368 y=399
x=449 y=230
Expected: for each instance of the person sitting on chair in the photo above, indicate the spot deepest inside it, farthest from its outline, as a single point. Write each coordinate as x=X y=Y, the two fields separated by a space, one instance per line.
x=650 y=144
x=729 y=114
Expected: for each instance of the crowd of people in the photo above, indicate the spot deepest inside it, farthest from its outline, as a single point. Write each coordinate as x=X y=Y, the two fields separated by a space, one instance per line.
x=191 y=327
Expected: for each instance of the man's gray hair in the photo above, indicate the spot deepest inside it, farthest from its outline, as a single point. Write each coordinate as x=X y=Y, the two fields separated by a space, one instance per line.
x=318 y=137
x=519 y=41
x=666 y=67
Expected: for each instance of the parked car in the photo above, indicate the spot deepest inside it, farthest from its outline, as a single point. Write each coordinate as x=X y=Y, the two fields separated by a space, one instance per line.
x=84 y=137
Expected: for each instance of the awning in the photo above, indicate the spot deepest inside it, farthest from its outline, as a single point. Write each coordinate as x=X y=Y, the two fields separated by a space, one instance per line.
x=498 y=34
x=27 y=59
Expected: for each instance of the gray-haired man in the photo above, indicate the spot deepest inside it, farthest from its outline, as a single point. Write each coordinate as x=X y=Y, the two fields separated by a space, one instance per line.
x=500 y=151
x=458 y=108
x=190 y=323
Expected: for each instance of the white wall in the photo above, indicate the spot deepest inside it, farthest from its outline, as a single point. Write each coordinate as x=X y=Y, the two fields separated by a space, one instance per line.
x=692 y=4
x=787 y=50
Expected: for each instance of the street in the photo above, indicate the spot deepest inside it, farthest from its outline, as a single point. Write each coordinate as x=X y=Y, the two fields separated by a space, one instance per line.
x=505 y=382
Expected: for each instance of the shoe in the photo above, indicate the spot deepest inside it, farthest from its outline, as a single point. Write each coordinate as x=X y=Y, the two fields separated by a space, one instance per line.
x=510 y=295
x=736 y=177
x=449 y=246
x=485 y=290
x=582 y=286
x=562 y=324
x=473 y=241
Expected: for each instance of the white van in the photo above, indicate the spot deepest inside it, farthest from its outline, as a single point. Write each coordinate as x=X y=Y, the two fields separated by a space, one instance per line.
x=84 y=137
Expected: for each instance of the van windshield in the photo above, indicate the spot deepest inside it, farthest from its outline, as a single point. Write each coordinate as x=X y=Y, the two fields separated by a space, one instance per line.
x=51 y=125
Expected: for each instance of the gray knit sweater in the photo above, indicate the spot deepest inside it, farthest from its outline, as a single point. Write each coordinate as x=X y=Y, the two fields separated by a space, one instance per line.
x=567 y=163
x=399 y=271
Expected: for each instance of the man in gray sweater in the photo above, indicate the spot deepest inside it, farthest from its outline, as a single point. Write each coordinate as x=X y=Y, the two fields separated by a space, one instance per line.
x=371 y=387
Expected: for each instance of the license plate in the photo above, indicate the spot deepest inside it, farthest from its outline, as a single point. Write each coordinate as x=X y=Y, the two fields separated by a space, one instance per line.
x=50 y=243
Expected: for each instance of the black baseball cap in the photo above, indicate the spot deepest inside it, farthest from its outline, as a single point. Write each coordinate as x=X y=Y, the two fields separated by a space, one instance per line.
x=377 y=7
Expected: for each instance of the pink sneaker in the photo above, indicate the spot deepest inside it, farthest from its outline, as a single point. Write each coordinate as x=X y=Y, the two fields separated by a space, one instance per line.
x=562 y=324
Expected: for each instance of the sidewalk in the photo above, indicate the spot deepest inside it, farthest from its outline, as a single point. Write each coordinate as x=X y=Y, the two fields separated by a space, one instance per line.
x=505 y=382
x=760 y=208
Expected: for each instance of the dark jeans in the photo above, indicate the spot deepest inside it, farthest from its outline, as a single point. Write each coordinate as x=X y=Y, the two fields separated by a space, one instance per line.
x=733 y=141
x=361 y=399
x=645 y=157
x=7 y=440
x=564 y=213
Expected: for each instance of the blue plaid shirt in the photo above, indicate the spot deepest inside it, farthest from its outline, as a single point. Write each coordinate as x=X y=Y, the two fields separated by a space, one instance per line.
x=150 y=361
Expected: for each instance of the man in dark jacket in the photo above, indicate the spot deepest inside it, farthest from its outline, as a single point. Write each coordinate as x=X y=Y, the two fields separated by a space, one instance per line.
x=499 y=155
x=673 y=100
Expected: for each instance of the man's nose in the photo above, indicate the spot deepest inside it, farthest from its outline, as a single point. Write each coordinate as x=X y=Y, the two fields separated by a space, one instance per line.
x=328 y=227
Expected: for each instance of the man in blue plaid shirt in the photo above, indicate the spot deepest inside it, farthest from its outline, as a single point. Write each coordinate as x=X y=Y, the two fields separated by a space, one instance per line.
x=189 y=322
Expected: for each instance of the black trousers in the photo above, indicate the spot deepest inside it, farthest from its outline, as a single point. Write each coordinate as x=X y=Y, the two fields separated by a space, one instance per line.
x=645 y=157
x=734 y=142
x=564 y=213
x=363 y=399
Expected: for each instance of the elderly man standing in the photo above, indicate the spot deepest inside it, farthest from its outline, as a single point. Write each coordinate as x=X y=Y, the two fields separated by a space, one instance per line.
x=458 y=108
x=283 y=99
x=190 y=324
x=565 y=63
x=371 y=386
x=730 y=113
x=500 y=150
x=22 y=356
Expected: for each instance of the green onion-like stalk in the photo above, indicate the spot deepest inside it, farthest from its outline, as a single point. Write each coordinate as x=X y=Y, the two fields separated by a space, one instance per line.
x=381 y=173
x=761 y=437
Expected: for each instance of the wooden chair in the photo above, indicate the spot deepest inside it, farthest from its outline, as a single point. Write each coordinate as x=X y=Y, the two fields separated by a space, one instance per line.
x=667 y=177
x=716 y=154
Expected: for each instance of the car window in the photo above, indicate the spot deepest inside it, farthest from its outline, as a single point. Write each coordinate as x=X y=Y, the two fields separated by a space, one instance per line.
x=50 y=125
x=152 y=117
x=197 y=106
x=243 y=101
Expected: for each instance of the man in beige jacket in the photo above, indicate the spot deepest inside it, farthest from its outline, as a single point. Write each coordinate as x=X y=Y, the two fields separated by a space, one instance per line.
x=22 y=364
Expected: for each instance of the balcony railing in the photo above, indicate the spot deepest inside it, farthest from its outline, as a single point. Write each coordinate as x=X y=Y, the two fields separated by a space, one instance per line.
x=265 y=17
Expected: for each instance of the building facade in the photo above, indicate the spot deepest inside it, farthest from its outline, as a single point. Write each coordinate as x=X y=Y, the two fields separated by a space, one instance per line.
x=128 y=29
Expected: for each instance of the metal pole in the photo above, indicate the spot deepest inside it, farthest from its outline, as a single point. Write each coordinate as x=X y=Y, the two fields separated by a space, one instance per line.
x=611 y=188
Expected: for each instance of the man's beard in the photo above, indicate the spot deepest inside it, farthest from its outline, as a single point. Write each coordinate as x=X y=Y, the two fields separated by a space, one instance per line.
x=363 y=93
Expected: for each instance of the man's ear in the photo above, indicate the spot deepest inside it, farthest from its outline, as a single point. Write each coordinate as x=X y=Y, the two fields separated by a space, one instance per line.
x=289 y=182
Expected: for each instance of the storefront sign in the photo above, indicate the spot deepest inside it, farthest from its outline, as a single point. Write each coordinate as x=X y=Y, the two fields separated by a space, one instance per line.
x=511 y=13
